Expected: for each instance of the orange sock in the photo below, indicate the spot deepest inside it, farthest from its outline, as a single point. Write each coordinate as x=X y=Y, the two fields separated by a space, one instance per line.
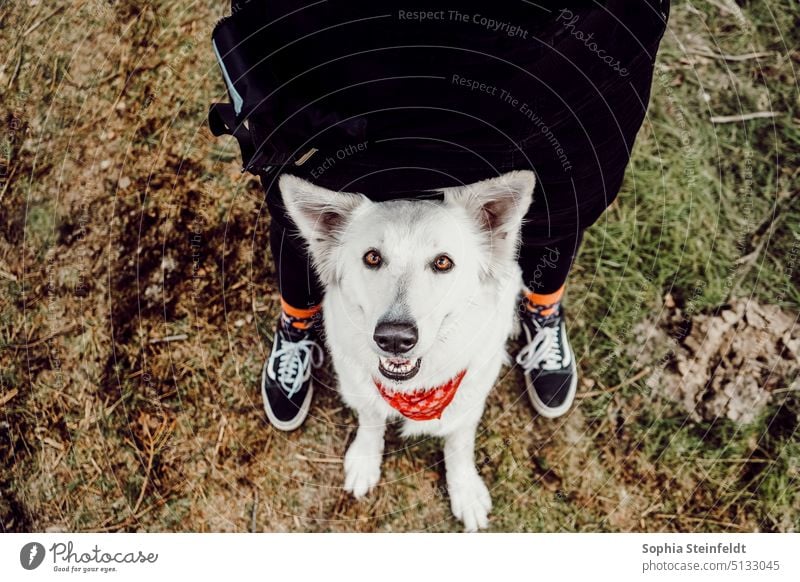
x=297 y=317
x=544 y=304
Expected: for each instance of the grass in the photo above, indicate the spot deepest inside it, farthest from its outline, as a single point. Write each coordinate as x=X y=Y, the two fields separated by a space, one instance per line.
x=102 y=430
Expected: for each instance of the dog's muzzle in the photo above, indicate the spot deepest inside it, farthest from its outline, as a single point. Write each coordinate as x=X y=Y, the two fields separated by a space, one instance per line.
x=396 y=339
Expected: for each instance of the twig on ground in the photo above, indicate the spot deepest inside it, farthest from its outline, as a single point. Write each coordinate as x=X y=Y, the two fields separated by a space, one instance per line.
x=16 y=70
x=701 y=460
x=744 y=116
x=154 y=444
x=170 y=338
x=7 y=185
x=638 y=376
x=310 y=460
x=222 y=423
x=150 y=457
x=36 y=342
x=8 y=396
x=53 y=443
x=253 y=513
x=42 y=20
x=726 y=57
x=108 y=411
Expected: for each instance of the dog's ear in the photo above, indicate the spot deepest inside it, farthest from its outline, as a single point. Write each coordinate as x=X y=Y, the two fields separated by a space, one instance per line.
x=498 y=206
x=320 y=214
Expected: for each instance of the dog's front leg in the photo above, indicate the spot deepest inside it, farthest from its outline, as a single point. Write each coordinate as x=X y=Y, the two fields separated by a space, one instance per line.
x=362 y=462
x=469 y=497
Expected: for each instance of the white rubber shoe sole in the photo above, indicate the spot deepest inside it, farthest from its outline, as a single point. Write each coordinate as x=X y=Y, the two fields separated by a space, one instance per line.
x=286 y=425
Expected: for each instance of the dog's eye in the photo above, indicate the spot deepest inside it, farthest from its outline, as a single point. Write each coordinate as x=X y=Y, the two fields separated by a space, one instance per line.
x=442 y=264
x=373 y=259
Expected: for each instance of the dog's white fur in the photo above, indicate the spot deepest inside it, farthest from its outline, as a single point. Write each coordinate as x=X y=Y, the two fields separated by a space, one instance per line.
x=464 y=316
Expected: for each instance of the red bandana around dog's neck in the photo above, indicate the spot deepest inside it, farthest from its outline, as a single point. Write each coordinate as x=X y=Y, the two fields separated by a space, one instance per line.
x=422 y=405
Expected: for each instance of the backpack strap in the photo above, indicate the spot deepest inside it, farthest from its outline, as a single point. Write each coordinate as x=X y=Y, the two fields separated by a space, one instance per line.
x=222 y=121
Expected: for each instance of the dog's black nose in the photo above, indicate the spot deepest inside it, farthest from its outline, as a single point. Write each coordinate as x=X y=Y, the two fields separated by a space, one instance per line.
x=396 y=337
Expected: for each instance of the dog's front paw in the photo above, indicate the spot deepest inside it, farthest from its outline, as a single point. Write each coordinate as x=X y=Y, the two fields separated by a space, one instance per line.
x=470 y=500
x=362 y=468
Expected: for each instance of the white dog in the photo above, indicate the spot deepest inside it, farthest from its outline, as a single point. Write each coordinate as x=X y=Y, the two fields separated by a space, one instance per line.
x=420 y=301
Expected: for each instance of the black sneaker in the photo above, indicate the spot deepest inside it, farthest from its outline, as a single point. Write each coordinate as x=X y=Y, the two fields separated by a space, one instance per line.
x=551 y=376
x=286 y=384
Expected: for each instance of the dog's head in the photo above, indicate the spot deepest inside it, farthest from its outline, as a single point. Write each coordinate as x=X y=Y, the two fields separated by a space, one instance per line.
x=406 y=270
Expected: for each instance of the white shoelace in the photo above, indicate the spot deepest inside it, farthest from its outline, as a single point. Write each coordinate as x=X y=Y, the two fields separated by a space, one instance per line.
x=293 y=358
x=543 y=351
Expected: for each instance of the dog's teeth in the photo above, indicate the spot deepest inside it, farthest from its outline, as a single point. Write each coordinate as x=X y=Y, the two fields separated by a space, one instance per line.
x=398 y=365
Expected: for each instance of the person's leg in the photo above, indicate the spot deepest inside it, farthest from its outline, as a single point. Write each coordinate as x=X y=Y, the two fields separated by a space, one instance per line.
x=300 y=289
x=286 y=382
x=544 y=272
x=547 y=359
x=581 y=177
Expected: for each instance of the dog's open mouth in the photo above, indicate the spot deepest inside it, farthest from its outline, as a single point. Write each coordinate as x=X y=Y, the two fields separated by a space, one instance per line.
x=399 y=369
